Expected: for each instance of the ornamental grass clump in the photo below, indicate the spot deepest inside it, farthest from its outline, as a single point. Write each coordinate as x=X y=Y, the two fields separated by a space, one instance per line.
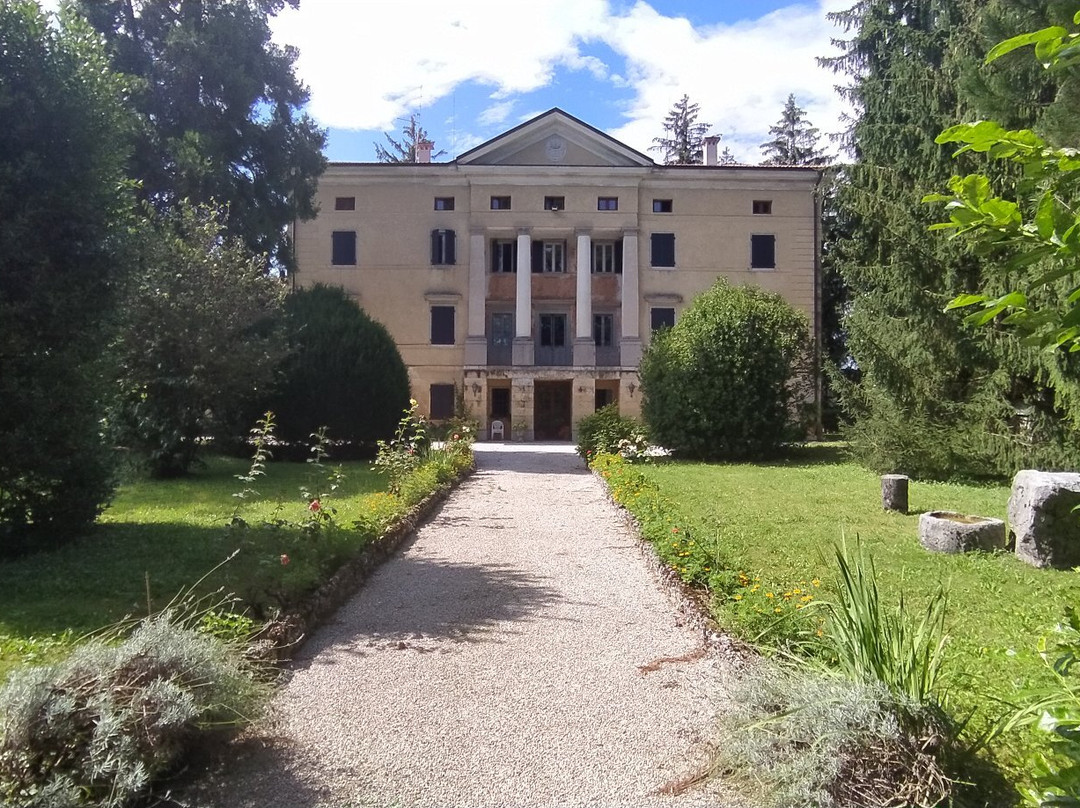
x=97 y=728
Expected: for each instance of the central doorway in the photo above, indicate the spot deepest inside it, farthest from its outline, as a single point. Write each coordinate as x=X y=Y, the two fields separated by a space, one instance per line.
x=553 y=410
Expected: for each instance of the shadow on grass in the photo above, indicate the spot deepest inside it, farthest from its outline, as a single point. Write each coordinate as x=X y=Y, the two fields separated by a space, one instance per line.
x=796 y=456
x=413 y=601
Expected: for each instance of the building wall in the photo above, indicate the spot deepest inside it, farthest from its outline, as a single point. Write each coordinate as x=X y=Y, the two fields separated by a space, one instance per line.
x=711 y=218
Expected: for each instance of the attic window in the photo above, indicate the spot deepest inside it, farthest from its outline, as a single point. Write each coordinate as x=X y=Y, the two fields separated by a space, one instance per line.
x=554 y=203
x=500 y=203
x=607 y=203
x=444 y=203
x=661 y=206
x=345 y=203
x=762 y=206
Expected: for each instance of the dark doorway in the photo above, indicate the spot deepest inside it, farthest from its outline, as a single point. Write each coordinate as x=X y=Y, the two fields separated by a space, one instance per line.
x=553 y=410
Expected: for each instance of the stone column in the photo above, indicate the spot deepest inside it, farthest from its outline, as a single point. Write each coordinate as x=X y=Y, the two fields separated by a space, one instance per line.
x=521 y=408
x=630 y=342
x=584 y=345
x=523 y=343
x=476 y=340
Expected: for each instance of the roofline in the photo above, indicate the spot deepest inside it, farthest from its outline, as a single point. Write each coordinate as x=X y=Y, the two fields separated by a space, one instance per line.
x=541 y=116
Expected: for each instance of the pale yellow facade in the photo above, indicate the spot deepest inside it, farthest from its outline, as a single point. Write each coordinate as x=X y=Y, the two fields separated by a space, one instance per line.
x=529 y=273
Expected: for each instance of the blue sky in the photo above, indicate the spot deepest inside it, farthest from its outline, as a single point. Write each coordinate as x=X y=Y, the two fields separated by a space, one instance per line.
x=474 y=68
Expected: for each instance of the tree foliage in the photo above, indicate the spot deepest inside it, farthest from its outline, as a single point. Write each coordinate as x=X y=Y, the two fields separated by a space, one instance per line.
x=344 y=371
x=199 y=336
x=725 y=382
x=220 y=107
x=62 y=203
x=795 y=141
x=933 y=398
x=404 y=150
x=685 y=138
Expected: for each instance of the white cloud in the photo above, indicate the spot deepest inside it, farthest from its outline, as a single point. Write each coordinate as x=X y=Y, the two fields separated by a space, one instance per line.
x=496 y=113
x=740 y=74
x=373 y=61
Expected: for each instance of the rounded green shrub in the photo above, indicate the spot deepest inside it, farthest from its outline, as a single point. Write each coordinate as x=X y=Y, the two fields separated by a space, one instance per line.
x=344 y=371
x=731 y=379
x=608 y=432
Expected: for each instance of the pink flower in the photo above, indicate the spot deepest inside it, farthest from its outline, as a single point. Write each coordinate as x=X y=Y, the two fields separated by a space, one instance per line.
x=314 y=506
x=284 y=559
x=456 y=436
x=674 y=530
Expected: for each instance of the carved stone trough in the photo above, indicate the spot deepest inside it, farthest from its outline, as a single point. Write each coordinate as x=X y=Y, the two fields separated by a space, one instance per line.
x=949 y=532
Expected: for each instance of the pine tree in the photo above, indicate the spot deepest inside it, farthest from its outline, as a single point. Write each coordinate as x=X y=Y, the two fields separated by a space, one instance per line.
x=727 y=158
x=404 y=150
x=933 y=398
x=795 y=141
x=686 y=137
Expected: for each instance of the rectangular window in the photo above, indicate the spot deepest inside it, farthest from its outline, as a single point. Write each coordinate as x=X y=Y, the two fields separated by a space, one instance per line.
x=603 y=397
x=552 y=330
x=554 y=256
x=441 y=402
x=442 y=325
x=762 y=207
x=603 y=329
x=504 y=255
x=343 y=248
x=662 y=318
x=663 y=250
x=345 y=203
x=554 y=203
x=661 y=206
x=607 y=203
x=500 y=203
x=763 y=252
x=443 y=247
x=607 y=257
x=444 y=203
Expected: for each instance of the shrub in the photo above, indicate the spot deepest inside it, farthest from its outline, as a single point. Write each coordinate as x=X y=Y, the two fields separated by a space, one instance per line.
x=728 y=380
x=344 y=372
x=791 y=737
x=607 y=432
x=96 y=728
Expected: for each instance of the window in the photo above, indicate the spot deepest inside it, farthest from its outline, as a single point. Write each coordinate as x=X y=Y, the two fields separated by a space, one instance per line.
x=443 y=247
x=441 y=402
x=444 y=203
x=606 y=257
x=603 y=398
x=603 y=328
x=549 y=256
x=662 y=318
x=345 y=203
x=762 y=252
x=607 y=203
x=663 y=249
x=442 y=325
x=552 y=330
x=500 y=203
x=343 y=248
x=661 y=206
x=762 y=206
x=554 y=203
x=504 y=255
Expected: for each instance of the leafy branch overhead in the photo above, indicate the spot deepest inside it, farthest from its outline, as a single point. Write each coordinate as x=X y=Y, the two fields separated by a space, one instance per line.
x=1036 y=238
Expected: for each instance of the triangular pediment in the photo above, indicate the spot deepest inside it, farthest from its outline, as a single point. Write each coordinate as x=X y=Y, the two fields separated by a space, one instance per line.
x=554 y=138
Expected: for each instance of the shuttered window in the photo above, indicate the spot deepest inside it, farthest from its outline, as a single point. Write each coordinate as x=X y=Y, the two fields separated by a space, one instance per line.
x=441 y=401
x=662 y=318
x=443 y=246
x=343 y=248
x=763 y=252
x=663 y=250
x=442 y=325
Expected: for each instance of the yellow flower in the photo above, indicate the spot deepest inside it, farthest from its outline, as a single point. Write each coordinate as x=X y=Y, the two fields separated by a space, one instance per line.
x=770 y=595
x=738 y=597
x=806 y=598
x=816 y=582
x=778 y=610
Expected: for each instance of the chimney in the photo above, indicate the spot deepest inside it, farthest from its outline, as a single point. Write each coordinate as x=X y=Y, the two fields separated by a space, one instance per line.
x=425 y=147
x=710 y=149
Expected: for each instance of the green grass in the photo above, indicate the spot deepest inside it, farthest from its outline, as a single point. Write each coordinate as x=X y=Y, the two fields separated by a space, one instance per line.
x=778 y=523
x=160 y=537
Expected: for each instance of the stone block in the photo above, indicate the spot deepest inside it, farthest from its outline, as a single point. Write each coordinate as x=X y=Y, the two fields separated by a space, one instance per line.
x=894 y=492
x=949 y=532
x=1041 y=518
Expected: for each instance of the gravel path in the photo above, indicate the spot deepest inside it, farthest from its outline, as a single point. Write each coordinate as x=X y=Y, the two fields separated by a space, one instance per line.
x=494 y=662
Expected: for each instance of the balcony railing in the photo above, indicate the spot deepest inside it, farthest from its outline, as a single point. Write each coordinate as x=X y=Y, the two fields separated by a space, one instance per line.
x=500 y=353
x=607 y=356
x=554 y=355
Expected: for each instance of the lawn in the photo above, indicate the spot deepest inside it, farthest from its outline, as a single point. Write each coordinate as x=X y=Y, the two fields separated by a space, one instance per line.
x=160 y=537
x=779 y=523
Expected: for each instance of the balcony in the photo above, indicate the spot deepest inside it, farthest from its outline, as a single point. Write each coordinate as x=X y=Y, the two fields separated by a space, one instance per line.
x=554 y=355
x=500 y=352
x=607 y=356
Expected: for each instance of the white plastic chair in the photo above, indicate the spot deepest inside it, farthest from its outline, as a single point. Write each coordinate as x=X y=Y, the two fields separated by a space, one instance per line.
x=498 y=430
